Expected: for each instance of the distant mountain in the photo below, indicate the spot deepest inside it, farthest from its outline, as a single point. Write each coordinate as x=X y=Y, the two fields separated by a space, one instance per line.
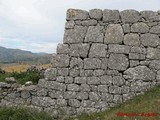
x=16 y=55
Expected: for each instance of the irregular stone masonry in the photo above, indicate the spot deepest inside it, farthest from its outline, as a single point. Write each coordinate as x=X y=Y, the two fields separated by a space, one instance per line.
x=107 y=58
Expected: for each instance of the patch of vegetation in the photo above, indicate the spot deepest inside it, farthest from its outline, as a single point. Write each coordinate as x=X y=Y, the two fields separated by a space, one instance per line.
x=22 y=77
x=22 y=114
x=147 y=103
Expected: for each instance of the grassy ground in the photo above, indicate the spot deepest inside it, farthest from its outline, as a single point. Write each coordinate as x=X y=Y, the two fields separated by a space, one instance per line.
x=19 y=67
x=22 y=114
x=147 y=103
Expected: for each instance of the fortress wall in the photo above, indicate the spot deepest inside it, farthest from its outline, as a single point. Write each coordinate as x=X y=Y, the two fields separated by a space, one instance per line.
x=106 y=58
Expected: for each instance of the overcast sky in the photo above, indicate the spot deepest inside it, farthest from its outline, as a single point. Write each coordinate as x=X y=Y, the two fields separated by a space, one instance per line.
x=38 y=25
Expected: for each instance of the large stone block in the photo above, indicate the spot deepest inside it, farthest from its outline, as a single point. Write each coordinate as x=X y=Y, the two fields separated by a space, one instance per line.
x=98 y=50
x=118 y=80
x=153 y=53
x=148 y=15
x=82 y=95
x=150 y=40
x=118 y=62
x=111 y=15
x=50 y=74
x=94 y=96
x=95 y=14
x=155 y=29
x=115 y=89
x=62 y=71
x=79 y=50
x=136 y=56
x=103 y=88
x=132 y=39
x=139 y=28
x=76 y=14
x=80 y=80
x=75 y=35
x=61 y=60
x=94 y=34
x=93 y=80
x=92 y=63
x=140 y=50
x=155 y=64
x=73 y=87
x=114 y=34
x=76 y=62
x=115 y=48
x=140 y=73
x=106 y=79
x=129 y=16
x=62 y=49
x=74 y=103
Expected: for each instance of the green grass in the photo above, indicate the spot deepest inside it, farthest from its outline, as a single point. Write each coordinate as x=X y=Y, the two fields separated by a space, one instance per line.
x=22 y=77
x=22 y=114
x=148 y=102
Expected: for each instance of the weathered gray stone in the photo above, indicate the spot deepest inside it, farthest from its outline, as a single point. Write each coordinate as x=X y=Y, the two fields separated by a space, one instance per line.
x=61 y=60
x=111 y=15
x=73 y=87
x=94 y=34
x=113 y=72
x=155 y=29
x=98 y=72
x=118 y=80
x=132 y=39
x=106 y=79
x=148 y=15
x=107 y=97
x=10 y=80
x=95 y=14
x=102 y=88
x=76 y=14
x=62 y=49
x=140 y=73
x=25 y=94
x=68 y=79
x=69 y=24
x=89 y=22
x=56 y=94
x=150 y=40
x=79 y=50
x=43 y=101
x=76 y=62
x=101 y=104
x=94 y=88
x=155 y=64
x=139 y=50
x=69 y=95
x=104 y=63
x=61 y=102
x=98 y=50
x=62 y=71
x=153 y=53
x=93 y=80
x=60 y=79
x=128 y=96
x=87 y=103
x=80 y=80
x=118 y=62
x=94 y=96
x=126 y=28
x=85 y=88
x=74 y=72
x=50 y=74
x=82 y=95
x=4 y=85
x=129 y=16
x=86 y=73
x=115 y=48
x=133 y=63
x=136 y=56
x=139 y=28
x=115 y=89
x=74 y=103
x=75 y=35
x=42 y=91
x=125 y=89
x=114 y=34
x=92 y=63
x=117 y=99
x=158 y=76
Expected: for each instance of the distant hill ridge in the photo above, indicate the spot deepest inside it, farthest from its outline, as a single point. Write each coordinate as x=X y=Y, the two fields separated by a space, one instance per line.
x=8 y=55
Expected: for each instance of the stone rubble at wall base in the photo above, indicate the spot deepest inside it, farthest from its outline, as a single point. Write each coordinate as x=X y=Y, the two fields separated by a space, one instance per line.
x=107 y=58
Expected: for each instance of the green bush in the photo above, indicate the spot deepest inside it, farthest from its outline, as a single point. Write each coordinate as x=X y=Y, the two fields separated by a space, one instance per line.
x=23 y=77
x=22 y=114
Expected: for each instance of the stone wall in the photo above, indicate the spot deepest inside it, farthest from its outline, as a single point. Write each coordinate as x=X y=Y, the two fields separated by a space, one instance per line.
x=107 y=58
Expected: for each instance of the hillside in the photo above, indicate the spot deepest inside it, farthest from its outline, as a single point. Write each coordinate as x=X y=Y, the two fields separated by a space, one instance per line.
x=16 y=55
